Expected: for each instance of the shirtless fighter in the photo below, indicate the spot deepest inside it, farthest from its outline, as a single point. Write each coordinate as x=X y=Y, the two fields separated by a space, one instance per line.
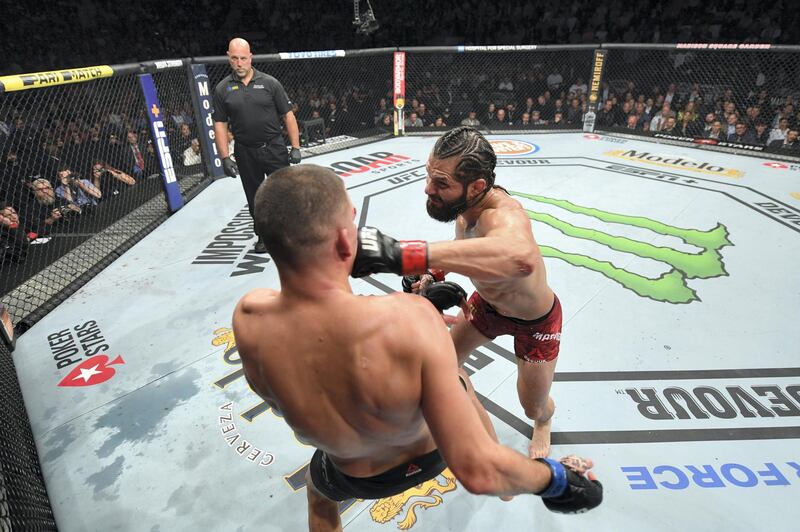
x=495 y=248
x=372 y=382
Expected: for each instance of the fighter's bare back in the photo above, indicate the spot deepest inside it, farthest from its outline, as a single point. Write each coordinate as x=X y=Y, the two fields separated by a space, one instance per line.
x=349 y=387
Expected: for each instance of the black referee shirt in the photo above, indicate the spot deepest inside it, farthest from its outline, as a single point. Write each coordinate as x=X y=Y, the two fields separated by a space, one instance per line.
x=252 y=111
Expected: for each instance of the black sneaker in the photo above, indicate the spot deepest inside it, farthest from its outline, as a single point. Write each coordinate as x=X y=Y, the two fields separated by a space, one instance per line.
x=260 y=247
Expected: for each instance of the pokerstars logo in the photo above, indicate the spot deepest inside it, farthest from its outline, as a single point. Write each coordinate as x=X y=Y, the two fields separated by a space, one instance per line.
x=513 y=148
x=775 y=165
x=84 y=345
x=377 y=162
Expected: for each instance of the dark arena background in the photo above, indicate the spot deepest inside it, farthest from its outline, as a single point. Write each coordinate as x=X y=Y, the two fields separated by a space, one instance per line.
x=653 y=145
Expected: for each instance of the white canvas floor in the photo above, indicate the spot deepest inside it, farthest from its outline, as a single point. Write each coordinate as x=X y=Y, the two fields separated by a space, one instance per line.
x=678 y=373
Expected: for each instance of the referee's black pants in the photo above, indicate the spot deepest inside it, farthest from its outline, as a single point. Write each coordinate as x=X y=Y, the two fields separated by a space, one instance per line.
x=256 y=162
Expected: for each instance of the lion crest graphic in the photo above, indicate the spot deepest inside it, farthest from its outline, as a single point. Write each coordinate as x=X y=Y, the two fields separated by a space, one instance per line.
x=425 y=495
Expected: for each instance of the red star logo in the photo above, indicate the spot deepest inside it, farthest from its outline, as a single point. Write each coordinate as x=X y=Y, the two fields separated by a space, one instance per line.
x=591 y=136
x=155 y=110
x=93 y=370
x=773 y=164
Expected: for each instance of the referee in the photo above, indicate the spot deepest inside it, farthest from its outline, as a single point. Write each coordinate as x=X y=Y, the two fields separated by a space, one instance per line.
x=251 y=104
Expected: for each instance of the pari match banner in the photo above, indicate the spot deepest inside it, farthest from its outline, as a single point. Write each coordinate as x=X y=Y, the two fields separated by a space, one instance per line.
x=51 y=78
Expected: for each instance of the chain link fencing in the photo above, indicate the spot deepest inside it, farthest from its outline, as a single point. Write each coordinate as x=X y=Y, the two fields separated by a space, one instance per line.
x=81 y=180
x=733 y=96
x=90 y=144
x=496 y=87
x=339 y=97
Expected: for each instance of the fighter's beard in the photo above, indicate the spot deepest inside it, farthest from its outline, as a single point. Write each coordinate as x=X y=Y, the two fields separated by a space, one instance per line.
x=448 y=212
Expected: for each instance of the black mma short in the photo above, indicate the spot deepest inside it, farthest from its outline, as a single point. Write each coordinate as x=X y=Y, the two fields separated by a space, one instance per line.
x=337 y=486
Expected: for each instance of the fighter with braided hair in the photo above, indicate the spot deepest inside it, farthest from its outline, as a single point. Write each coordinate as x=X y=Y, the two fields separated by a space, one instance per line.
x=494 y=246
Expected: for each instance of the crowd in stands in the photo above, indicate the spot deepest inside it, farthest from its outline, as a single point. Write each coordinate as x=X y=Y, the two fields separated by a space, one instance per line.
x=58 y=169
x=71 y=33
x=61 y=160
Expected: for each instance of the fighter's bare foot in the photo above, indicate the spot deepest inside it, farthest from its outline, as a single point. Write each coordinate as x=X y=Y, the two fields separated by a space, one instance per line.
x=506 y=498
x=540 y=443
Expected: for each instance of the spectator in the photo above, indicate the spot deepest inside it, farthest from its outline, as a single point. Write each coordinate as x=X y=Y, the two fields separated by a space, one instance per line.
x=40 y=211
x=490 y=113
x=499 y=120
x=108 y=180
x=413 y=121
x=191 y=155
x=134 y=155
x=232 y=141
x=471 y=120
x=731 y=121
x=574 y=112
x=779 y=133
x=184 y=141
x=788 y=143
x=761 y=133
x=536 y=118
x=660 y=118
x=671 y=127
x=386 y=123
x=579 y=87
x=689 y=127
x=623 y=113
x=606 y=117
x=13 y=239
x=742 y=134
x=75 y=190
x=709 y=122
x=715 y=132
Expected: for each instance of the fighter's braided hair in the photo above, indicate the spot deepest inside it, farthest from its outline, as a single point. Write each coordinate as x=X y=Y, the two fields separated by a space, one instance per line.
x=476 y=156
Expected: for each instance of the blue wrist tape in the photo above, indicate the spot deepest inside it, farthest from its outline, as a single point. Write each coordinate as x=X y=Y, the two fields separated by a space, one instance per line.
x=558 y=485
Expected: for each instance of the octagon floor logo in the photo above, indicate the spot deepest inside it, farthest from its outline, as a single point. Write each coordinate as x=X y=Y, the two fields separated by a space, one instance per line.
x=513 y=148
x=670 y=287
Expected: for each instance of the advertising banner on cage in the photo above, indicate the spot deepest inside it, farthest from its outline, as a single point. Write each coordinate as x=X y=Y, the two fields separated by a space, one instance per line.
x=597 y=78
x=399 y=90
x=202 y=92
x=159 y=133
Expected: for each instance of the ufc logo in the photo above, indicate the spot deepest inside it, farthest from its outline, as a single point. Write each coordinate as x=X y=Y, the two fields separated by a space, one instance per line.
x=369 y=239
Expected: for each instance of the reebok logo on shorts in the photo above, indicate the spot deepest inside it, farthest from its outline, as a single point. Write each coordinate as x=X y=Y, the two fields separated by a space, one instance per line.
x=413 y=469
x=549 y=336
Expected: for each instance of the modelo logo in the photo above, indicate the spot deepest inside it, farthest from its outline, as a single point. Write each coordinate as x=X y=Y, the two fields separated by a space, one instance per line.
x=510 y=147
x=163 y=151
x=676 y=162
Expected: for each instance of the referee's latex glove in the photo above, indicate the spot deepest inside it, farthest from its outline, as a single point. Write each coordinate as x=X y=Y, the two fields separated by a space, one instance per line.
x=295 y=156
x=229 y=167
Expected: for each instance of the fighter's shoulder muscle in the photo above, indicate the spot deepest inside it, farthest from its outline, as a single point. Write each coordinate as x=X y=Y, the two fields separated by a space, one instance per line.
x=408 y=317
x=252 y=304
x=509 y=215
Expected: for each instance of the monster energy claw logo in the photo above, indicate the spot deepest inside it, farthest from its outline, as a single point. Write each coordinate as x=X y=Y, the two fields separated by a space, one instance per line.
x=671 y=287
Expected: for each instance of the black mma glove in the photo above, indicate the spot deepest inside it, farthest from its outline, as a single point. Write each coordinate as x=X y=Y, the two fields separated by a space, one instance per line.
x=444 y=295
x=569 y=492
x=408 y=280
x=229 y=167
x=295 y=156
x=378 y=253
